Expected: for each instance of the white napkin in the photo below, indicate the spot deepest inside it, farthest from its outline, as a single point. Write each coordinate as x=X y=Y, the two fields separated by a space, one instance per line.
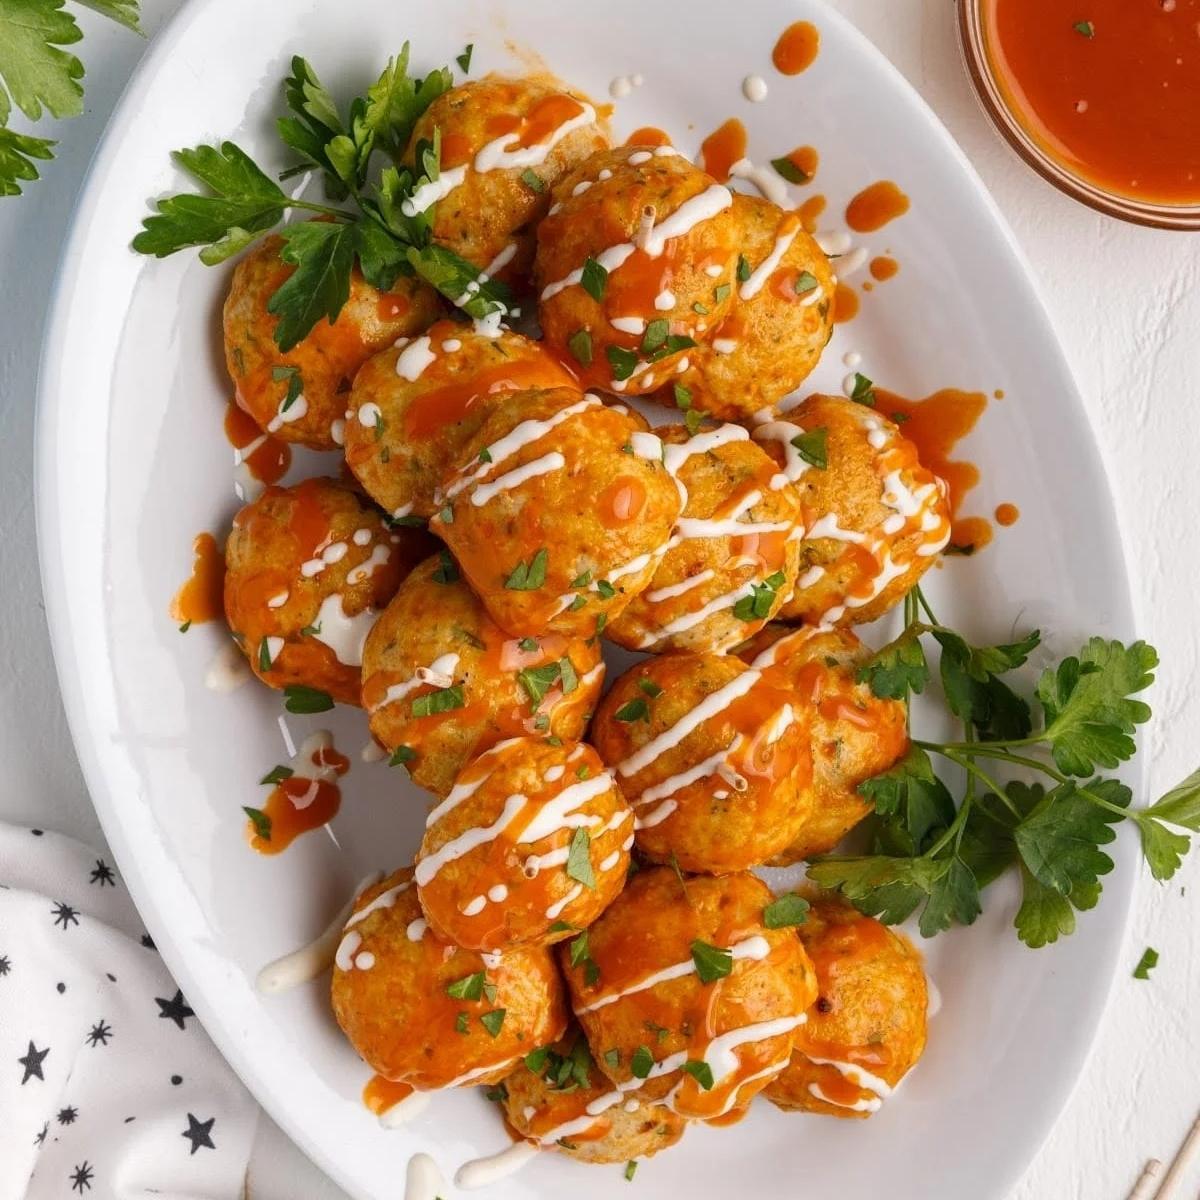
x=109 y=1088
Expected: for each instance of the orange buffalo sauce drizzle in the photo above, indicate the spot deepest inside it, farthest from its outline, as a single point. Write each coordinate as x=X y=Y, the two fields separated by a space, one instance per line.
x=810 y=212
x=875 y=206
x=301 y=802
x=621 y=502
x=1007 y=514
x=648 y=135
x=805 y=159
x=380 y=1093
x=884 y=268
x=936 y=424
x=537 y=125
x=269 y=460
x=722 y=148
x=845 y=304
x=201 y=598
x=796 y=49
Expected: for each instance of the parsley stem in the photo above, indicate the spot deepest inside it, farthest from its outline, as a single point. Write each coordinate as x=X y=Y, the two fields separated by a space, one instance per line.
x=923 y=603
x=339 y=213
x=978 y=773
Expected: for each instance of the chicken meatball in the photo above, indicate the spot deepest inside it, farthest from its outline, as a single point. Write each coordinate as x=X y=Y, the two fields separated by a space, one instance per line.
x=299 y=395
x=307 y=569
x=558 y=1099
x=875 y=518
x=689 y=995
x=442 y=682
x=425 y=1012
x=854 y=734
x=532 y=842
x=733 y=558
x=504 y=144
x=780 y=321
x=414 y=407
x=713 y=756
x=867 y=1028
x=558 y=511
x=636 y=265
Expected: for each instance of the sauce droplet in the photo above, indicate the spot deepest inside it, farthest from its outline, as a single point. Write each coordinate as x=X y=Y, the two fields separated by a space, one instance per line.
x=381 y=1093
x=875 y=206
x=722 y=148
x=269 y=459
x=648 y=135
x=810 y=212
x=201 y=598
x=884 y=268
x=1007 y=514
x=845 y=304
x=797 y=47
x=307 y=798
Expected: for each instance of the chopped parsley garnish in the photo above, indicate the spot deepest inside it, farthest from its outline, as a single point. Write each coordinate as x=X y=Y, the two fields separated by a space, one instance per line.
x=260 y=821
x=805 y=282
x=757 y=605
x=630 y=1169
x=446 y=515
x=712 y=962
x=789 y=170
x=447 y=569
x=650 y=688
x=492 y=1021
x=537 y=681
x=469 y=987
x=612 y=1059
x=863 y=391
x=786 y=911
x=532 y=180
x=595 y=279
x=621 y=360
x=606 y=589
x=582 y=579
x=462 y=1023
x=701 y=1072
x=566 y=672
x=185 y=627
x=1085 y=28
x=693 y=418
x=656 y=334
x=401 y=756
x=812 y=447
x=277 y=775
x=642 y=1062
x=579 y=859
x=683 y=397
x=633 y=710
x=1146 y=963
x=440 y=701
x=264 y=654
x=528 y=644
x=295 y=385
x=743 y=268
x=485 y=455
x=464 y=59
x=300 y=699
x=583 y=771
x=700 y=309
x=528 y=577
x=721 y=292
x=577 y=604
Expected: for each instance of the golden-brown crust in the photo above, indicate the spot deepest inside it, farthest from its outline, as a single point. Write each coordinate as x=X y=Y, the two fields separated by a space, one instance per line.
x=326 y=360
x=556 y=477
x=652 y=927
x=271 y=594
x=523 y=884
x=397 y=1013
x=434 y=613
x=870 y=1012
x=735 y=790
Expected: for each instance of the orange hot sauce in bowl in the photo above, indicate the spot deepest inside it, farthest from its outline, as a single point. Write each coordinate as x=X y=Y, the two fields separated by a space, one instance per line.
x=1102 y=97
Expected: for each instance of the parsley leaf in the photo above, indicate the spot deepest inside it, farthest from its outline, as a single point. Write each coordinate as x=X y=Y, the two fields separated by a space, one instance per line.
x=976 y=694
x=756 y=606
x=579 y=859
x=1046 y=915
x=812 y=447
x=912 y=801
x=863 y=391
x=492 y=1021
x=453 y=276
x=1059 y=840
x=786 y=911
x=17 y=152
x=896 y=670
x=469 y=987
x=464 y=59
x=277 y=775
x=1089 y=715
x=260 y=821
x=789 y=170
x=642 y=1062
x=395 y=102
x=712 y=962
x=32 y=67
x=537 y=681
x=440 y=701
x=633 y=710
x=580 y=346
x=1146 y=963
x=621 y=360
x=701 y=1072
x=529 y=577
x=300 y=699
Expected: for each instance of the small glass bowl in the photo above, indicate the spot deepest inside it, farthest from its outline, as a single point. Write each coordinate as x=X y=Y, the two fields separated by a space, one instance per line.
x=995 y=103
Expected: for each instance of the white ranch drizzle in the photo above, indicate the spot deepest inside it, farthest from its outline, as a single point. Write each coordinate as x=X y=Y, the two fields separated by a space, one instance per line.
x=767 y=182
x=482 y=1172
x=678 y=589
x=754 y=88
x=548 y=463
x=439 y=674
x=414 y=358
x=344 y=635
x=308 y=962
x=422 y=1179
x=228 y=669
x=789 y=227
x=297 y=410
x=380 y=554
x=496 y=155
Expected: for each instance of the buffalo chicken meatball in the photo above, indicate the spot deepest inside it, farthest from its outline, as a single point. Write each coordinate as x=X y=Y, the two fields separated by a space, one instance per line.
x=422 y=1011
x=713 y=756
x=636 y=264
x=559 y=1099
x=686 y=994
x=854 y=734
x=442 y=682
x=414 y=406
x=780 y=320
x=558 y=511
x=299 y=394
x=504 y=144
x=867 y=1028
x=875 y=518
x=733 y=557
x=307 y=569
x=532 y=841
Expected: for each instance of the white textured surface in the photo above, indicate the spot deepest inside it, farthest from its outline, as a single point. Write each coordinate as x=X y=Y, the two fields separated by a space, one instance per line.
x=1126 y=303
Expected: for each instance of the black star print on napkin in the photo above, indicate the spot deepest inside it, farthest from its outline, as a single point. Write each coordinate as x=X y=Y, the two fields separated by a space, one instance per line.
x=175 y=1009
x=32 y=1062
x=5 y=965
x=100 y=1033
x=102 y=874
x=66 y=1116
x=41 y=1137
x=81 y=1177
x=198 y=1133
x=65 y=915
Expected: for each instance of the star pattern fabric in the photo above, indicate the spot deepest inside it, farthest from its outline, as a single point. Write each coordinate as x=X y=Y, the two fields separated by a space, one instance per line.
x=109 y=1087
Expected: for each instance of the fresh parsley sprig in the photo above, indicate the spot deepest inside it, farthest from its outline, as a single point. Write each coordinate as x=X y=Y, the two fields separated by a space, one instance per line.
x=931 y=853
x=383 y=232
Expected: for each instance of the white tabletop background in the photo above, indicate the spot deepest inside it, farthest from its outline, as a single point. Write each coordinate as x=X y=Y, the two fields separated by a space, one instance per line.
x=1126 y=304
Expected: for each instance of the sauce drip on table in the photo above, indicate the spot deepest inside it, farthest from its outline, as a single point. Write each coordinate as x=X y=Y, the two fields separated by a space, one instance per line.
x=1109 y=88
x=201 y=598
x=722 y=148
x=797 y=48
x=306 y=798
x=875 y=206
